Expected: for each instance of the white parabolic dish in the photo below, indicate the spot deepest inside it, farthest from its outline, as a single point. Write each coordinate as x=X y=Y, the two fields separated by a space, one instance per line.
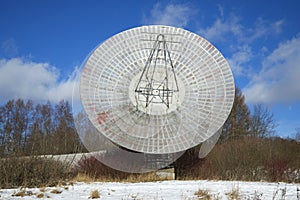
x=157 y=89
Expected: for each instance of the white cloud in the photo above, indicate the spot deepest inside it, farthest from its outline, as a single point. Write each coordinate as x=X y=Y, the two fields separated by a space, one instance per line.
x=278 y=81
x=239 y=58
x=229 y=30
x=222 y=28
x=262 y=28
x=172 y=14
x=24 y=79
x=9 y=47
x=239 y=39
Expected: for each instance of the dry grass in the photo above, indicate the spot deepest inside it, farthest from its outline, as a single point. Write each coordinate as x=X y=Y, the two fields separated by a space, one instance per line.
x=20 y=193
x=131 y=178
x=83 y=177
x=234 y=194
x=94 y=194
x=90 y=170
x=61 y=183
x=40 y=195
x=56 y=191
x=146 y=177
x=43 y=189
x=257 y=196
x=203 y=194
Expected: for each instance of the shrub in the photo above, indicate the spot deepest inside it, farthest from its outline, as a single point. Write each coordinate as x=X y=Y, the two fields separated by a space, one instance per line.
x=31 y=172
x=276 y=169
x=248 y=159
x=91 y=168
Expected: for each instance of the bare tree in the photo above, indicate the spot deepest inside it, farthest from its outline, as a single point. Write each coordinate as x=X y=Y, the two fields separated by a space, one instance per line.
x=20 y=125
x=297 y=136
x=2 y=132
x=7 y=127
x=262 y=121
x=28 y=121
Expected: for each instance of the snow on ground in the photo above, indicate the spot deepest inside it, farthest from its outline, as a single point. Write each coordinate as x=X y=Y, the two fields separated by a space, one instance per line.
x=173 y=190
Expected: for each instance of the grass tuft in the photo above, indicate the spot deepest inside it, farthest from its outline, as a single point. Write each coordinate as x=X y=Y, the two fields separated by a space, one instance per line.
x=203 y=194
x=234 y=194
x=56 y=191
x=20 y=193
x=43 y=189
x=40 y=195
x=94 y=194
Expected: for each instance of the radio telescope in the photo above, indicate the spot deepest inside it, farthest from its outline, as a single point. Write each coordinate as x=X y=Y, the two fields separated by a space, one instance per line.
x=156 y=90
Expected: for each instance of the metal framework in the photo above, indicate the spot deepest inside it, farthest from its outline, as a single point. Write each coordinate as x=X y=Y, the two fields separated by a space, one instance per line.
x=153 y=83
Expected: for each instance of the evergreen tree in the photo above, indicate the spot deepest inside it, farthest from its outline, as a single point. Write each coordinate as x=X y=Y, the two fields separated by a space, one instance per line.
x=238 y=122
x=35 y=138
x=65 y=135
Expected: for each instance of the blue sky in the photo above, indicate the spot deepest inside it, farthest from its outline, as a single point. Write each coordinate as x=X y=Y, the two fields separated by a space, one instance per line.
x=42 y=43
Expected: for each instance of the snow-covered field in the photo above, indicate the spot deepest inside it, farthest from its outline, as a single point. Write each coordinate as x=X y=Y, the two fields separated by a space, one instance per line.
x=181 y=190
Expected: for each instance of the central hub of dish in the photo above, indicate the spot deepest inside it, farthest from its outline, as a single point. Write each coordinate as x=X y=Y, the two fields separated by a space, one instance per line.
x=156 y=92
x=156 y=97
